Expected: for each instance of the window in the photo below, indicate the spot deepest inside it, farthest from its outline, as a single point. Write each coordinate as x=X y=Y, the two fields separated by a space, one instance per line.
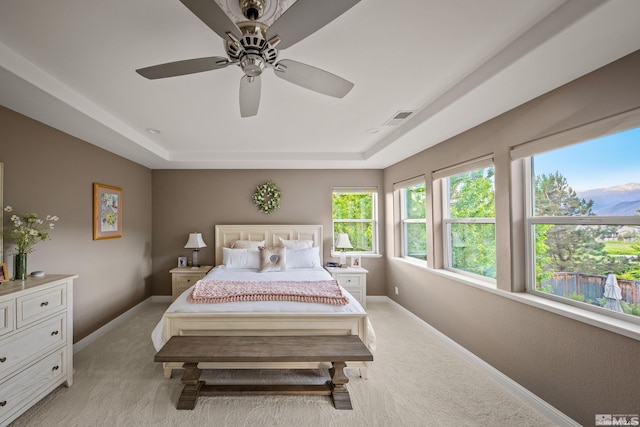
x=469 y=218
x=355 y=212
x=583 y=222
x=413 y=198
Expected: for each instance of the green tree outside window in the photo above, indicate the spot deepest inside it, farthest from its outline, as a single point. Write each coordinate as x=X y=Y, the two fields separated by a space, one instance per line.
x=353 y=213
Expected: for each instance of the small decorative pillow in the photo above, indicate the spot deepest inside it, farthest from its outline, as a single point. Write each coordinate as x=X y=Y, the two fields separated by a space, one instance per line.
x=272 y=259
x=246 y=244
x=240 y=258
x=295 y=244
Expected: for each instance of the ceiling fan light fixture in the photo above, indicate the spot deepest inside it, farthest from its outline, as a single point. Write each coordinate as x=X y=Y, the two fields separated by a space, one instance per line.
x=252 y=64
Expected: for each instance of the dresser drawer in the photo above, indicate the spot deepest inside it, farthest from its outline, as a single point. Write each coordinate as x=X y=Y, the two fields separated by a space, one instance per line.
x=349 y=280
x=39 y=305
x=184 y=282
x=24 y=388
x=28 y=345
x=7 y=316
x=182 y=278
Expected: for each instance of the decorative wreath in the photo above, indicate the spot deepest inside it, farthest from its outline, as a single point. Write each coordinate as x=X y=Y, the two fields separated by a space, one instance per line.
x=267 y=197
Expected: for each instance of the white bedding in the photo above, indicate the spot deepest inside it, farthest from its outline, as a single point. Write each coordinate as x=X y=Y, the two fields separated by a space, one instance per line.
x=222 y=273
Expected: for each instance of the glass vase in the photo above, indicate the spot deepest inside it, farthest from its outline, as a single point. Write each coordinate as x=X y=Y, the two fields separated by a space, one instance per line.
x=20 y=266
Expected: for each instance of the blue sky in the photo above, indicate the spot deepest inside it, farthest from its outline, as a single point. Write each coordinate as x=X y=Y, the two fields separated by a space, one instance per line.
x=600 y=163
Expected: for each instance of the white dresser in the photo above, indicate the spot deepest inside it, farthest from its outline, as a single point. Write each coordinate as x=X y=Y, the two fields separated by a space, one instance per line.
x=36 y=341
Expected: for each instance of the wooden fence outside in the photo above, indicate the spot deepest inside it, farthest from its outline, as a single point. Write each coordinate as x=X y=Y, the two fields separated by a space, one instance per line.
x=591 y=286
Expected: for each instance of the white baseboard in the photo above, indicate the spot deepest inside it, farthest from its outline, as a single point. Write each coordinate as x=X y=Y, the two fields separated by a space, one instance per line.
x=551 y=413
x=98 y=333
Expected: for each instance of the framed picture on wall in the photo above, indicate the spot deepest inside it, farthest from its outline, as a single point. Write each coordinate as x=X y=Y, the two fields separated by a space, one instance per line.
x=107 y=212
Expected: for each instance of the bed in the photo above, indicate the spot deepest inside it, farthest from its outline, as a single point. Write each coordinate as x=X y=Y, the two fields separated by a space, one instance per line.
x=252 y=318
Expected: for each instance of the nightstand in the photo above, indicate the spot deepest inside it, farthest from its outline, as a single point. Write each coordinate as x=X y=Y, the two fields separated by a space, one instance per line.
x=182 y=278
x=353 y=279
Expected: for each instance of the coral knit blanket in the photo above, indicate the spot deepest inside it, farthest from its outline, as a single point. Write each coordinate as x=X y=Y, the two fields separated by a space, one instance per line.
x=216 y=291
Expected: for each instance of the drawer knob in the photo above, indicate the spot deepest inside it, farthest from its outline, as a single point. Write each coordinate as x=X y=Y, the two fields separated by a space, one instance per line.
x=4 y=402
x=3 y=359
x=55 y=368
x=44 y=304
x=54 y=333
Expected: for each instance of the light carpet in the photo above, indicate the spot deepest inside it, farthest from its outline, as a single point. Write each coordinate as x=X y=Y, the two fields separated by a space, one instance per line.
x=415 y=380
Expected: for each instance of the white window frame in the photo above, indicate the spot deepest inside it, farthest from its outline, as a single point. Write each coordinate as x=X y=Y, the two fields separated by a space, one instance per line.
x=373 y=220
x=402 y=187
x=520 y=193
x=443 y=176
x=530 y=223
x=521 y=157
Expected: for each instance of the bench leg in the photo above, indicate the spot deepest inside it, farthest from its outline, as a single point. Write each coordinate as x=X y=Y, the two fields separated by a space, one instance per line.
x=339 y=392
x=192 y=385
x=167 y=372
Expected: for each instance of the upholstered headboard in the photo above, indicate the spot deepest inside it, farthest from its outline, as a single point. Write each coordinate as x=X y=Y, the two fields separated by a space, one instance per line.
x=225 y=235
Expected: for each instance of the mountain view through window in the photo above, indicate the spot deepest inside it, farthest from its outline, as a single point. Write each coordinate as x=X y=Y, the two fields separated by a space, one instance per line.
x=585 y=222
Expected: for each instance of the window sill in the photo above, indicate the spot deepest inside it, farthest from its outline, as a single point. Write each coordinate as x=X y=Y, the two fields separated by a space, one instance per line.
x=335 y=254
x=468 y=280
x=618 y=326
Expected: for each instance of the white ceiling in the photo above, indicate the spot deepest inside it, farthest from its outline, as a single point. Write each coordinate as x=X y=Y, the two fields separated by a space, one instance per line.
x=457 y=63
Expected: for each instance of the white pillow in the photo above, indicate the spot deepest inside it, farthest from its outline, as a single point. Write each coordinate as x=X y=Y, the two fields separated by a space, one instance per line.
x=246 y=244
x=303 y=258
x=241 y=258
x=295 y=244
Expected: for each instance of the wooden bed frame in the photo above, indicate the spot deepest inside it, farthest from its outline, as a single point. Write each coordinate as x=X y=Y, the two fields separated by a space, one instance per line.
x=252 y=323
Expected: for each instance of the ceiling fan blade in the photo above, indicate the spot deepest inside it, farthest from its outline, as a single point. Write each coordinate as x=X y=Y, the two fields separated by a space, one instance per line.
x=249 y=96
x=305 y=17
x=211 y=14
x=179 y=68
x=312 y=78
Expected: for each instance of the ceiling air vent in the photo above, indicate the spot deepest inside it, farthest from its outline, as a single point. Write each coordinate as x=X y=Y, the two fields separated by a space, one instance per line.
x=398 y=118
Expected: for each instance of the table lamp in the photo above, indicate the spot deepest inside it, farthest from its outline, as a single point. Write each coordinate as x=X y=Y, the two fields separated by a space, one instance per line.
x=195 y=242
x=343 y=243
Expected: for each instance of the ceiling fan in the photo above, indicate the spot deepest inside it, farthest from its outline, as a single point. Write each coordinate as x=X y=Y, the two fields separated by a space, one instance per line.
x=251 y=45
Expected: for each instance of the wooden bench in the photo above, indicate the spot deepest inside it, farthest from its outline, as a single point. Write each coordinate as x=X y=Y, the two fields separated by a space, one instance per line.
x=191 y=350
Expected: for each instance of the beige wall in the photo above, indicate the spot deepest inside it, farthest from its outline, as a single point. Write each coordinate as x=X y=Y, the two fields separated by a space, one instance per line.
x=196 y=200
x=580 y=369
x=49 y=172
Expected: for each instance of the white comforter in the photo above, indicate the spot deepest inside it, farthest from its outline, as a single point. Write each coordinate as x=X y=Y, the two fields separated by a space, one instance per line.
x=222 y=273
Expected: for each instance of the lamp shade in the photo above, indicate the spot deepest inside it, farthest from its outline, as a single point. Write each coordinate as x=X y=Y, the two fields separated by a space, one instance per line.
x=195 y=241
x=343 y=241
